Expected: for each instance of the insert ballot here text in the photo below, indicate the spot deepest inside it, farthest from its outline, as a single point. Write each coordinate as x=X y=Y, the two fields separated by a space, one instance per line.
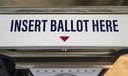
x=47 y=25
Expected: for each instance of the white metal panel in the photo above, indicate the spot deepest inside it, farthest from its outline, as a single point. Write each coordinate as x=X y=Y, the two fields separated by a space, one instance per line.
x=76 y=39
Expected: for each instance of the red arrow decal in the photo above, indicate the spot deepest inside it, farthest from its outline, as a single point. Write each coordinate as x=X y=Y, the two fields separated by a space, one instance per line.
x=64 y=38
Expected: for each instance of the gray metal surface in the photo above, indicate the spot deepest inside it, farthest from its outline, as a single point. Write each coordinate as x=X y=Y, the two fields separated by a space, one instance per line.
x=58 y=53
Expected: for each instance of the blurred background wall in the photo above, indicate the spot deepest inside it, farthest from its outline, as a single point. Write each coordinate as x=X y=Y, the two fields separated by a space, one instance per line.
x=48 y=3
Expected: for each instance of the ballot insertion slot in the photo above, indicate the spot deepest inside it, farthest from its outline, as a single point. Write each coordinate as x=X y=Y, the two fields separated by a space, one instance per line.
x=71 y=58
